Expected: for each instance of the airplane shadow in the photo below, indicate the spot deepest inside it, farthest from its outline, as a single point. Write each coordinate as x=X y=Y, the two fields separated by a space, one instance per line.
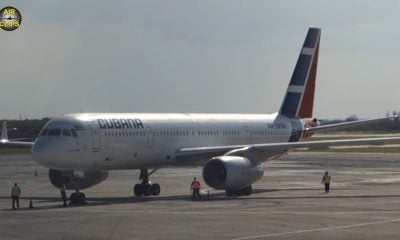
x=219 y=196
x=24 y=201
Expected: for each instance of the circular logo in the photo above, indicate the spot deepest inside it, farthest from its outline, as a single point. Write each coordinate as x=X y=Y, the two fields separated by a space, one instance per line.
x=10 y=18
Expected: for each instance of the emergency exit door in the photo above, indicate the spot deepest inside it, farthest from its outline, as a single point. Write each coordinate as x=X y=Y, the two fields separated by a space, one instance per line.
x=150 y=137
x=248 y=136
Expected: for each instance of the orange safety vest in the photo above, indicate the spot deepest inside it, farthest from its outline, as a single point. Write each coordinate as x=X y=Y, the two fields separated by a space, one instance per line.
x=196 y=184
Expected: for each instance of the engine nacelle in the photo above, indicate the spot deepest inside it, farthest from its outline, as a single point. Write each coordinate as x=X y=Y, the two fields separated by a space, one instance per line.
x=231 y=172
x=76 y=180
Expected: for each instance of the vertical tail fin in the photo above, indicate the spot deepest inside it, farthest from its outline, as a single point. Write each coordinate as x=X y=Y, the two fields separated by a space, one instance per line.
x=4 y=133
x=299 y=98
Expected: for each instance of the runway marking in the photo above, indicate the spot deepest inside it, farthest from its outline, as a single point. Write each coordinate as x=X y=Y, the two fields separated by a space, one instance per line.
x=319 y=229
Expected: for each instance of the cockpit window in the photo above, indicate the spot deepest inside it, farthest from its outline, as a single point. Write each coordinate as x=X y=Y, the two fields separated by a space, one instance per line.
x=44 y=132
x=73 y=132
x=54 y=132
x=66 y=132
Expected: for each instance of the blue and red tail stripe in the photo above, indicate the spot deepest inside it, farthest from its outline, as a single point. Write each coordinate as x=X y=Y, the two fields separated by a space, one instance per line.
x=299 y=98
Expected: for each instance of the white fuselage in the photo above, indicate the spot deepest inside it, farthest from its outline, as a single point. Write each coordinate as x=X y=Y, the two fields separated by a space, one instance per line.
x=132 y=141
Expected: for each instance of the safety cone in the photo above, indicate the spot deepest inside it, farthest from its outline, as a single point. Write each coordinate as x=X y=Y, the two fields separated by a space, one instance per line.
x=30 y=204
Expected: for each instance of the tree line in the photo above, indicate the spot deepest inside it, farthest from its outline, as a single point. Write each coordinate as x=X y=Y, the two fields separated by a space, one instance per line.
x=28 y=128
x=387 y=126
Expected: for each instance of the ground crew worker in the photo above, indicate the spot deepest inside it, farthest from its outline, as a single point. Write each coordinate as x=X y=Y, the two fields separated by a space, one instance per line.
x=326 y=180
x=63 y=195
x=195 y=186
x=15 y=192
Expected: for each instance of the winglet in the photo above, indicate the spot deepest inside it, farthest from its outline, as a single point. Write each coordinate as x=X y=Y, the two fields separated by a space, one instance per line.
x=299 y=98
x=4 y=133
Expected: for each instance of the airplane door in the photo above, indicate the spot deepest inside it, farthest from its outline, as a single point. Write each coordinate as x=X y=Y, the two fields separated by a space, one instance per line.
x=150 y=137
x=248 y=135
x=96 y=136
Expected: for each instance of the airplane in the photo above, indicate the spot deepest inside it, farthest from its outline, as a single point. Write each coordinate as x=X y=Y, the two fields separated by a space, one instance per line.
x=79 y=149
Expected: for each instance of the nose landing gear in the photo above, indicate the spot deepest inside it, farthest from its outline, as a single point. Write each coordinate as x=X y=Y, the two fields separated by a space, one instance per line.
x=146 y=188
x=77 y=198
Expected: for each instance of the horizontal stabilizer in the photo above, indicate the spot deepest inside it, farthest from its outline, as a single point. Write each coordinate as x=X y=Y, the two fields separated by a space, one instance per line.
x=4 y=133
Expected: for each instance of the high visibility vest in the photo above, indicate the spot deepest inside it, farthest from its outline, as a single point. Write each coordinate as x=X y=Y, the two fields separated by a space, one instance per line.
x=196 y=184
x=327 y=179
x=16 y=191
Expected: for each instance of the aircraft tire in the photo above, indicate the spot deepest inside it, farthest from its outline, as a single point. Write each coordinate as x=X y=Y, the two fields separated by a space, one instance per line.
x=138 y=190
x=155 y=189
x=77 y=198
x=247 y=190
x=147 y=189
x=239 y=192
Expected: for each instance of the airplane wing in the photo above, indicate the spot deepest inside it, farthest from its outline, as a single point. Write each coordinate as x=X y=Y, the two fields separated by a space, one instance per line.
x=4 y=138
x=263 y=151
x=328 y=127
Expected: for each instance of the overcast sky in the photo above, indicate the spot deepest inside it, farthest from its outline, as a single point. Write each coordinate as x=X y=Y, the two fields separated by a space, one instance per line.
x=197 y=56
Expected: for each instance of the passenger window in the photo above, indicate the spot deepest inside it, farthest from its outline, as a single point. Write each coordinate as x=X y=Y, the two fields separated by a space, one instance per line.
x=55 y=132
x=66 y=133
x=44 y=132
x=73 y=132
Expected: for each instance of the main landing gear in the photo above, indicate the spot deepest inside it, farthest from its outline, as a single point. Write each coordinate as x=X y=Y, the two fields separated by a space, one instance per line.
x=239 y=192
x=146 y=188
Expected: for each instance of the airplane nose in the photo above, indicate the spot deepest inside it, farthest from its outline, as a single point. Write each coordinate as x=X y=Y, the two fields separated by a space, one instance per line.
x=41 y=152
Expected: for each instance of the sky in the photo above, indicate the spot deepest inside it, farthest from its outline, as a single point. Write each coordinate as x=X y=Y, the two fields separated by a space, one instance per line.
x=225 y=56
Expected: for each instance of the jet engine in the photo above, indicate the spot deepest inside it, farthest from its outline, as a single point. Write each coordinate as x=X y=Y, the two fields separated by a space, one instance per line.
x=76 y=180
x=231 y=172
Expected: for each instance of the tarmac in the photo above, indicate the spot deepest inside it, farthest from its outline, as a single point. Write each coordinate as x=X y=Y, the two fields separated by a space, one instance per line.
x=288 y=203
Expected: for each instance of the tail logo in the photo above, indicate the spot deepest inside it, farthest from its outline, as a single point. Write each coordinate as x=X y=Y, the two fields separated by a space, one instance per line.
x=299 y=99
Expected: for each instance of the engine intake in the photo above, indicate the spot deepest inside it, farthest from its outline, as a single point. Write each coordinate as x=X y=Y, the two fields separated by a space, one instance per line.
x=73 y=180
x=231 y=172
